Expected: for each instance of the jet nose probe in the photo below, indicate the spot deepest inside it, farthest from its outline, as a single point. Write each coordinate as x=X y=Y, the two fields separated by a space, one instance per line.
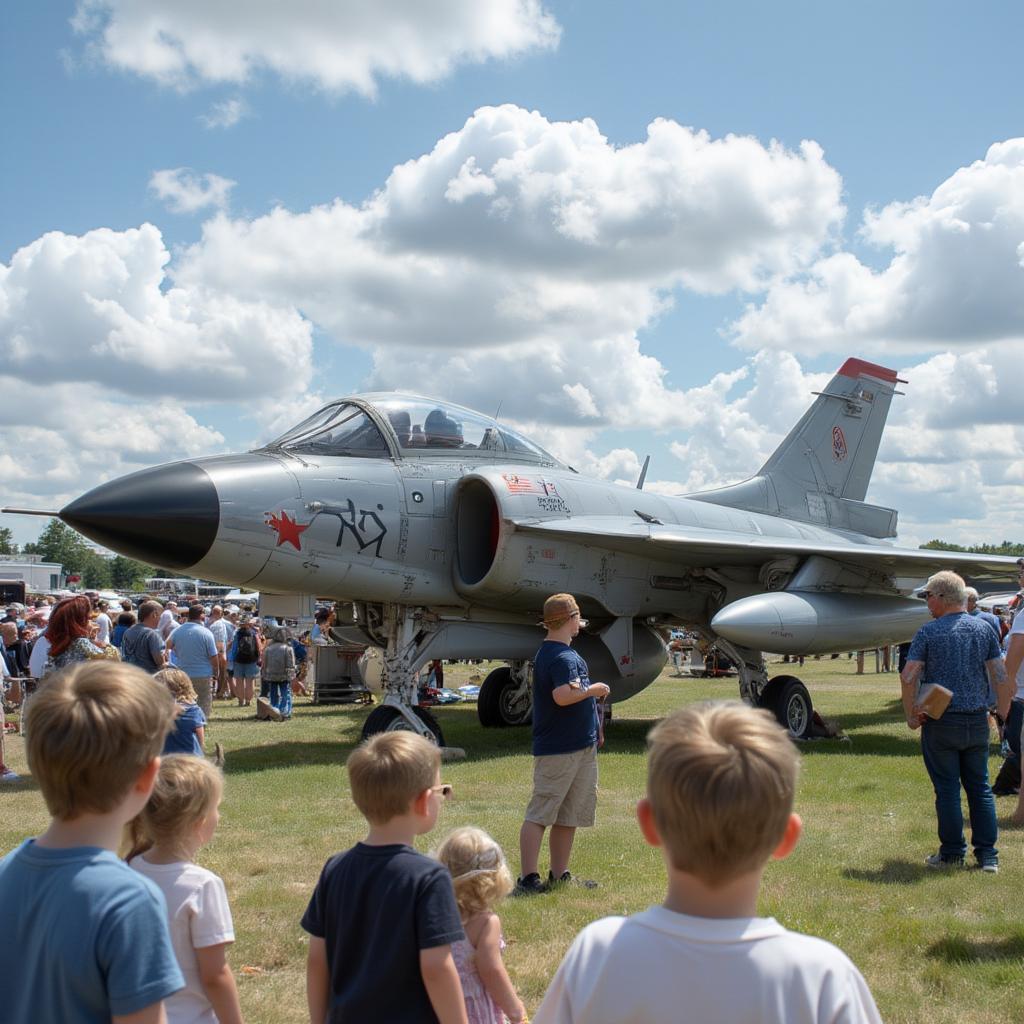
x=166 y=516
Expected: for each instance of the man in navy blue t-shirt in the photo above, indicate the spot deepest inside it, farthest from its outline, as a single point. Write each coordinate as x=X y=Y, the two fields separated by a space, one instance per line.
x=961 y=653
x=567 y=730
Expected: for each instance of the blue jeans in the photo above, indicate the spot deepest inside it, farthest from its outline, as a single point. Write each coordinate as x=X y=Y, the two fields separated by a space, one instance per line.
x=281 y=697
x=955 y=749
x=1014 y=722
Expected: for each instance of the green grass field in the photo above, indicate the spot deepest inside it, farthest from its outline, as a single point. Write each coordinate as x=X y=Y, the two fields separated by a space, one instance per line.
x=934 y=947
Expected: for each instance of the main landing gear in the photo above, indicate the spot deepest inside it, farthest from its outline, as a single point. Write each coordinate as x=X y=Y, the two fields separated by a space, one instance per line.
x=506 y=697
x=387 y=718
x=405 y=636
x=785 y=697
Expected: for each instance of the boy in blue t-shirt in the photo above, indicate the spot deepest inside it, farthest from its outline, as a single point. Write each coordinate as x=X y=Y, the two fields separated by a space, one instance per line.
x=85 y=937
x=567 y=730
x=383 y=916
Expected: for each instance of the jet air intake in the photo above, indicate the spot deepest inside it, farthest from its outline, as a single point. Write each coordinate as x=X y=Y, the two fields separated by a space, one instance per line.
x=801 y=622
x=477 y=528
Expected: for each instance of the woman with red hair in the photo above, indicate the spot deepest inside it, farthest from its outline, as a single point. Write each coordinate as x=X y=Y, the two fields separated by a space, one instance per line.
x=69 y=634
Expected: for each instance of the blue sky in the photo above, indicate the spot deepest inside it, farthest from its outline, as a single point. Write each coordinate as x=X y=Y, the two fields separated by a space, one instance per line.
x=591 y=224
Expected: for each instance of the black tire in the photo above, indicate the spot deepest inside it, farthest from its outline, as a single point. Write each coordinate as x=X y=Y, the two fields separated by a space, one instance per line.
x=389 y=719
x=788 y=700
x=497 y=706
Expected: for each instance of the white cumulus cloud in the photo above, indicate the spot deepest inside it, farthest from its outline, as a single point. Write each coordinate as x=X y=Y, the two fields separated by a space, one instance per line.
x=58 y=440
x=337 y=47
x=93 y=308
x=518 y=243
x=955 y=279
x=225 y=114
x=184 y=191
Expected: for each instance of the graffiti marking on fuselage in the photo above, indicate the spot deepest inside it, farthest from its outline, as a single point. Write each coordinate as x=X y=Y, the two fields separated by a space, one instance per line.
x=367 y=530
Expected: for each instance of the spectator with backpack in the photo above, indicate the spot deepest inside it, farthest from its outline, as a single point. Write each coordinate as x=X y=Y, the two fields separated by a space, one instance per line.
x=245 y=655
x=278 y=673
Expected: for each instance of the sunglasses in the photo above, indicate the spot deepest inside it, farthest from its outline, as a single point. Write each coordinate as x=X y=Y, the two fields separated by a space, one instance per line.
x=444 y=789
x=924 y=594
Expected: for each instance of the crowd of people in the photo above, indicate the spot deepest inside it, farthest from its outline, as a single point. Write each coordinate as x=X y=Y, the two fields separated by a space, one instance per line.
x=222 y=651
x=396 y=935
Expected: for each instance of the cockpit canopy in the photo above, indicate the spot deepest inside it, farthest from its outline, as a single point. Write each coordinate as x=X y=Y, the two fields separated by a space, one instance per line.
x=389 y=424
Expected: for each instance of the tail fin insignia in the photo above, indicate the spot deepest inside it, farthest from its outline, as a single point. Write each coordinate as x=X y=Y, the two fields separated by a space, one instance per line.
x=821 y=470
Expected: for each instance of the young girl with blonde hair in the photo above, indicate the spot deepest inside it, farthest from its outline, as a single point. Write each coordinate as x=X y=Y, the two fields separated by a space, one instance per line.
x=481 y=879
x=189 y=733
x=180 y=819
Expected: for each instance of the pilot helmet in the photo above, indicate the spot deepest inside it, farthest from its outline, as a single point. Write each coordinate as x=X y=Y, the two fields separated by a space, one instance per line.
x=440 y=426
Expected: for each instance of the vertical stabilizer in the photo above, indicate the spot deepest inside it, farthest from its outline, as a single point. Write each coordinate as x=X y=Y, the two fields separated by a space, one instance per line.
x=821 y=471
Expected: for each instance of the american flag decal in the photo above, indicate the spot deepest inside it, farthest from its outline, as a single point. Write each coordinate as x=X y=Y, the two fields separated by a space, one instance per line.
x=519 y=484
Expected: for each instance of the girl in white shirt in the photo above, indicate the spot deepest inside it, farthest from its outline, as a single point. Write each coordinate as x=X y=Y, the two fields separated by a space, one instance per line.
x=180 y=819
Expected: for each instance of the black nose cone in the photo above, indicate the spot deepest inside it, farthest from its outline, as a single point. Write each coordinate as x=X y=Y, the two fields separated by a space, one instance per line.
x=166 y=516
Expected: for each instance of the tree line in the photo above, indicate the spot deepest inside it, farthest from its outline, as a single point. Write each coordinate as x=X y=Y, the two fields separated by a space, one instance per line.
x=59 y=543
x=1007 y=547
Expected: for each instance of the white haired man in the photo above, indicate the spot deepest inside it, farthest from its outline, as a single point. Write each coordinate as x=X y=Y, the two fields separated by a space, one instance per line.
x=961 y=653
x=988 y=617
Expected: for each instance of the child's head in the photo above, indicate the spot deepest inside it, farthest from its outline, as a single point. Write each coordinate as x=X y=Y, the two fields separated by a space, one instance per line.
x=721 y=780
x=185 y=799
x=92 y=729
x=478 y=869
x=178 y=684
x=388 y=772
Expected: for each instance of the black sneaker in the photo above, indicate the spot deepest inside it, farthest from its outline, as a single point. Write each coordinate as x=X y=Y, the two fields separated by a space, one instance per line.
x=567 y=878
x=529 y=885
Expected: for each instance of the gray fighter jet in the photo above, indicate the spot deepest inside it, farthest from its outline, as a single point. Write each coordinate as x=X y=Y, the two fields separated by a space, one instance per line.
x=440 y=532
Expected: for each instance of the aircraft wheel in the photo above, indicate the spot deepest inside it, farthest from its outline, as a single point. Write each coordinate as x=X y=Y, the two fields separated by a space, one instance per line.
x=501 y=703
x=787 y=698
x=389 y=719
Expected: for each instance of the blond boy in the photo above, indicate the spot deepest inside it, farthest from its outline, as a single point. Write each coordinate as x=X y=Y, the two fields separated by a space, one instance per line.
x=720 y=785
x=383 y=917
x=85 y=937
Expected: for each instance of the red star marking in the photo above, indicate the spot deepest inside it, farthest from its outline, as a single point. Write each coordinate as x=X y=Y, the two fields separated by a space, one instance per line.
x=287 y=529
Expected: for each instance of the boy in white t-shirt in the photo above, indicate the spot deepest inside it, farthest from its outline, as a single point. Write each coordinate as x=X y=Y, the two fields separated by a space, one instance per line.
x=721 y=779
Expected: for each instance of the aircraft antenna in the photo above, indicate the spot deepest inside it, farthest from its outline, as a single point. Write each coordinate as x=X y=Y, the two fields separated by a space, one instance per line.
x=643 y=474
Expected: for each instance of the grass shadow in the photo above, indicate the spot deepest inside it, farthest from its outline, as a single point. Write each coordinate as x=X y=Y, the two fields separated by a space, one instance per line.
x=871 y=743
x=892 y=872
x=286 y=754
x=955 y=949
x=890 y=712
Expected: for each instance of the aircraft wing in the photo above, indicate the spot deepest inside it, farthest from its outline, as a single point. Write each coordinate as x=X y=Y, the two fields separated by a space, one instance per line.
x=697 y=547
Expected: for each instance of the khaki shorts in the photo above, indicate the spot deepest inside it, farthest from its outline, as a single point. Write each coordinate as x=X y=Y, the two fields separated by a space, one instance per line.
x=204 y=694
x=564 y=789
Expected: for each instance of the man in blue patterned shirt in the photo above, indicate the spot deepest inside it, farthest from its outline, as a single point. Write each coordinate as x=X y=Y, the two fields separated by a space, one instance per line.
x=959 y=652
